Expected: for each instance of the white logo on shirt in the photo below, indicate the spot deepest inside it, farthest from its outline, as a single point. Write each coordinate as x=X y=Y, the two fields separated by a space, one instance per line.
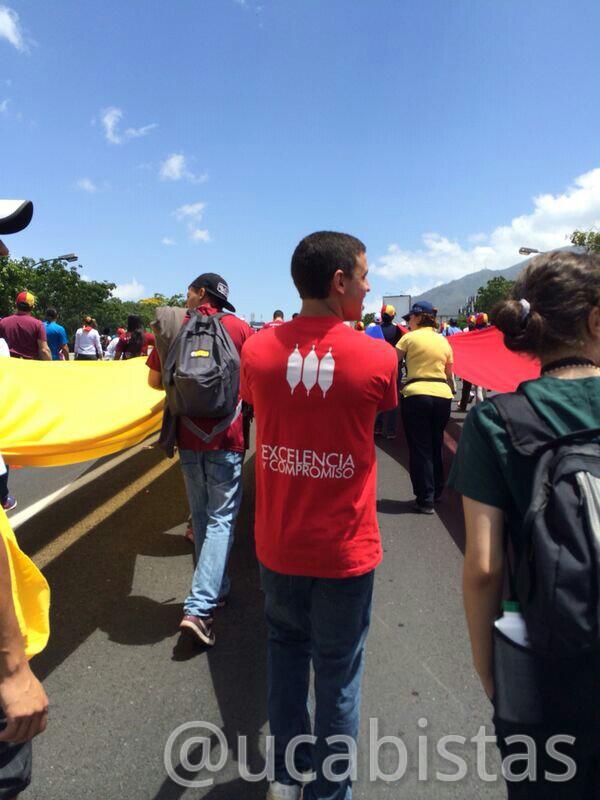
x=307 y=463
x=310 y=371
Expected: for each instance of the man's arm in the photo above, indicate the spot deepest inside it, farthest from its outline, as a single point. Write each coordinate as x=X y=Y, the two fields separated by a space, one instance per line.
x=482 y=582
x=44 y=351
x=155 y=379
x=22 y=696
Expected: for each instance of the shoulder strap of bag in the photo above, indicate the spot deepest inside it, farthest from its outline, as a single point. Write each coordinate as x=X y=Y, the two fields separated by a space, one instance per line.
x=529 y=433
x=219 y=427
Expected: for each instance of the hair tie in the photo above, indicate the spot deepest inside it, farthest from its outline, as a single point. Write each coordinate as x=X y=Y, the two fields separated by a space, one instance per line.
x=525 y=309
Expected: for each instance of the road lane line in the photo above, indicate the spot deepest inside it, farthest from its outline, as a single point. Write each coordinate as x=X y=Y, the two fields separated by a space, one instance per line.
x=40 y=505
x=57 y=546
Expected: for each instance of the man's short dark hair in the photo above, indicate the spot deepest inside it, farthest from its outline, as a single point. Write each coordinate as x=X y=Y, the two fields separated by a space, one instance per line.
x=318 y=257
x=51 y=313
x=278 y=314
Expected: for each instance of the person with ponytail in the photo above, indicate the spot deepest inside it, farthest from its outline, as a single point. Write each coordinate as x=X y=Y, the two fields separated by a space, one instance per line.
x=553 y=314
x=135 y=342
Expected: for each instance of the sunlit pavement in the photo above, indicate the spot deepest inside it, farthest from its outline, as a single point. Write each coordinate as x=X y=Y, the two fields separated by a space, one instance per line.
x=120 y=681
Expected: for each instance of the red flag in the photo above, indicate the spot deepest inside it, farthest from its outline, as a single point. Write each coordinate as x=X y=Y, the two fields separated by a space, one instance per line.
x=482 y=358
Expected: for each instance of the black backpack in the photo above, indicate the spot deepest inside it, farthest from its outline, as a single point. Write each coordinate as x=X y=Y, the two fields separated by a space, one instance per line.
x=201 y=374
x=557 y=579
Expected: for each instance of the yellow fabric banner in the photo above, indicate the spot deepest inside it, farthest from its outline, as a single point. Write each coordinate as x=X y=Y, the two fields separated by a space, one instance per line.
x=31 y=594
x=54 y=413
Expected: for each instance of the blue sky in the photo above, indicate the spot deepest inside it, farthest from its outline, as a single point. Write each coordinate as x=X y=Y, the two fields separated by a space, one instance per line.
x=158 y=140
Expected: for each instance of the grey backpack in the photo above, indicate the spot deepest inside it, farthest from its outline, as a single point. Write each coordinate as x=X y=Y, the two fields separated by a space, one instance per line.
x=557 y=580
x=201 y=373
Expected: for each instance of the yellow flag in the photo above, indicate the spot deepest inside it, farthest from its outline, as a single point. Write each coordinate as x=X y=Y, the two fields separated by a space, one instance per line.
x=54 y=413
x=30 y=590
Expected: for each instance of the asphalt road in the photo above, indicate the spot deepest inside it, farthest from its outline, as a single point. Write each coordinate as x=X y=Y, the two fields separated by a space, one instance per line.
x=120 y=681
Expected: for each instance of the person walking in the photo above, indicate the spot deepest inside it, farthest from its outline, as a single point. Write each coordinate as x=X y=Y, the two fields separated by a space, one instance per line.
x=87 y=342
x=56 y=336
x=111 y=348
x=467 y=386
x=211 y=453
x=135 y=342
x=316 y=388
x=24 y=334
x=426 y=400
x=385 y=424
x=537 y=691
x=276 y=321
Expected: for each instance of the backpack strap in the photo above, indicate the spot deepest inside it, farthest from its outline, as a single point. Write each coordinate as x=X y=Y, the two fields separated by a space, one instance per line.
x=222 y=425
x=526 y=429
x=529 y=434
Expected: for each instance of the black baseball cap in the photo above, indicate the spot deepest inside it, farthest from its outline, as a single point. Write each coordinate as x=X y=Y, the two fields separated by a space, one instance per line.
x=215 y=285
x=15 y=215
x=422 y=307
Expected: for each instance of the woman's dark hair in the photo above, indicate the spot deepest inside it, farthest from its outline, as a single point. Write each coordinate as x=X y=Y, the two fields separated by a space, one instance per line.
x=427 y=321
x=386 y=319
x=561 y=289
x=318 y=257
x=136 y=338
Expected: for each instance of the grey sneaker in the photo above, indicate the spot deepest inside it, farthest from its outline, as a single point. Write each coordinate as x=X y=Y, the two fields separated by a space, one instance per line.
x=280 y=791
x=201 y=627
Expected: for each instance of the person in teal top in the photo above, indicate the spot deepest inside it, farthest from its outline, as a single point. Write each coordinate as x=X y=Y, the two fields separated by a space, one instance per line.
x=554 y=314
x=56 y=336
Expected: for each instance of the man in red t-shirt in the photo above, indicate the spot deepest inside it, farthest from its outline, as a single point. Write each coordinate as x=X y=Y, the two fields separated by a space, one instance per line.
x=212 y=471
x=316 y=386
x=277 y=321
x=24 y=334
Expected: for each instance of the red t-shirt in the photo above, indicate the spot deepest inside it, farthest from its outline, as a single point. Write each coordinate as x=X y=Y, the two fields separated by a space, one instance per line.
x=22 y=332
x=123 y=344
x=276 y=323
x=232 y=438
x=316 y=386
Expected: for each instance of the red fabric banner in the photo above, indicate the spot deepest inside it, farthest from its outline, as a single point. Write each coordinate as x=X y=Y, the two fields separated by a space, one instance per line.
x=482 y=358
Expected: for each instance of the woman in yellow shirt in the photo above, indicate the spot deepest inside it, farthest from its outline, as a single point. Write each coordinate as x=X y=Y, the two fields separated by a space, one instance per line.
x=426 y=400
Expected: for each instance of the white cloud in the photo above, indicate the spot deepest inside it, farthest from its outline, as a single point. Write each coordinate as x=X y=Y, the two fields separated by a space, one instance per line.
x=192 y=214
x=10 y=28
x=111 y=118
x=190 y=211
x=86 y=185
x=129 y=291
x=4 y=106
x=168 y=242
x=197 y=235
x=547 y=226
x=175 y=168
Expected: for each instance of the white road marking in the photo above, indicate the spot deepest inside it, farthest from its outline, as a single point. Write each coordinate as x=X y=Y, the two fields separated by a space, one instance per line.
x=45 y=502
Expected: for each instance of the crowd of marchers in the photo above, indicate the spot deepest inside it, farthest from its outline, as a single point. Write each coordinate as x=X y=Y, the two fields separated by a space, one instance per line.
x=316 y=390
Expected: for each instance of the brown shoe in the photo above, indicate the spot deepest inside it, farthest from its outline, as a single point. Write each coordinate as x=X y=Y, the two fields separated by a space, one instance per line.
x=201 y=627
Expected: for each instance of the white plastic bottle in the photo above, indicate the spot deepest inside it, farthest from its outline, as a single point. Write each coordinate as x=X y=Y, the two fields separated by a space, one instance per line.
x=512 y=623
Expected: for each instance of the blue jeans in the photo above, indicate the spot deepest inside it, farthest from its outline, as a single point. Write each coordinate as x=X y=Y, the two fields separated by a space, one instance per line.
x=213 y=481
x=325 y=620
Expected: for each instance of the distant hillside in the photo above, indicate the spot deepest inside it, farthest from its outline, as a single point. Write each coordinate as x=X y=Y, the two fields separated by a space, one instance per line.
x=449 y=297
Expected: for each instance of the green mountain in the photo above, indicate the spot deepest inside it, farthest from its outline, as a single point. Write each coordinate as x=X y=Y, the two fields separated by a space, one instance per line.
x=449 y=297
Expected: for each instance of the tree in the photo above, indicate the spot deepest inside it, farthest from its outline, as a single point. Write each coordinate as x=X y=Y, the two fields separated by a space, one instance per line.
x=492 y=293
x=588 y=239
x=368 y=318
x=63 y=288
